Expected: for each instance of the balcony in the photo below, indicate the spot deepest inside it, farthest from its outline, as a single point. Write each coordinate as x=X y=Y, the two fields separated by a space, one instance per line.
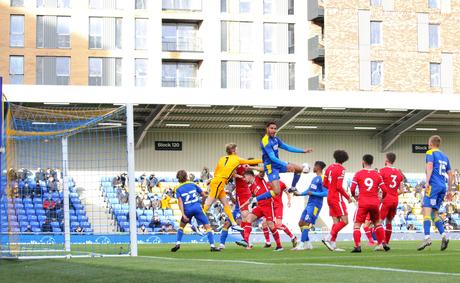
x=315 y=10
x=181 y=82
x=182 y=45
x=315 y=83
x=182 y=5
x=315 y=49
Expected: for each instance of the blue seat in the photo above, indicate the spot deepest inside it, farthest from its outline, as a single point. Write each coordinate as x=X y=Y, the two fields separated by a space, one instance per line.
x=29 y=205
x=21 y=211
x=149 y=213
x=80 y=212
x=75 y=201
x=36 y=230
x=27 y=200
x=85 y=225
x=78 y=206
x=55 y=224
x=82 y=218
x=122 y=218
x=19 y=205
x=34 y=224
x=143 y=218
x=30 y=211
x=74 y=225
x=40 y=212
x=74 y=195
x=73 y=218
x=22 y=218
x=116 y=206
x=57 y=230
x=167 y=212
x=41 y=218
x=37 y=200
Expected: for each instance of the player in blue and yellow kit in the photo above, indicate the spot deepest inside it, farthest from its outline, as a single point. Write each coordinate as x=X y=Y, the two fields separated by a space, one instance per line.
x=273 y=165
x=439 y=180
x=316 y=193
x=189 y=197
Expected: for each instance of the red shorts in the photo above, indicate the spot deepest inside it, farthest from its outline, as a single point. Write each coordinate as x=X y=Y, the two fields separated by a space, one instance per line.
x=368 y=217
x=264 y=211
x=362 y=212
x=241 y=200
x=337 y=208
x=278 y=211
x=388 y=210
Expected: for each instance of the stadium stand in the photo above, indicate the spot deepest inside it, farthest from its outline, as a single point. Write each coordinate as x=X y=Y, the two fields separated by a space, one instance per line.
x=36 y=204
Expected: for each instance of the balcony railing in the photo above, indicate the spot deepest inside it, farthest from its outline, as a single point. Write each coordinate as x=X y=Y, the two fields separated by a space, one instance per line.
x=315 y=10
x=182 y=5
x=182 y=82
x=315 y=48
x=186 y=44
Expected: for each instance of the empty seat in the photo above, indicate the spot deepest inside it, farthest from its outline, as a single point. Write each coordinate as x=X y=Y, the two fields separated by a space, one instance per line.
x=40 y=212
x=167 y=212
x=34 y=224
x=57 y=230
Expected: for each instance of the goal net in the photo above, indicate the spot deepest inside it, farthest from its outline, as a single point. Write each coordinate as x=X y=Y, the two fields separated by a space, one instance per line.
x=58 y=162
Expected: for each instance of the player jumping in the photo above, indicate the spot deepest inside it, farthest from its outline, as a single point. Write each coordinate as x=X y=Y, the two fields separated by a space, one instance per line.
x=270 y=145
x=439 y=179
x=225 y=169
x=264 y=208
x=188 y=195
x=333 y=181
x=316 y=193
x=368 y=182
x=393 y=178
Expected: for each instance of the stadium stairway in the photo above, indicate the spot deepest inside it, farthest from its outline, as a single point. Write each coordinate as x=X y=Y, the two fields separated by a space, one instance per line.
x=97 y=212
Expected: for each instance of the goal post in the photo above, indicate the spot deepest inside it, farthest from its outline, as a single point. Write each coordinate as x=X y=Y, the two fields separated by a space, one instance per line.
x=65 y=170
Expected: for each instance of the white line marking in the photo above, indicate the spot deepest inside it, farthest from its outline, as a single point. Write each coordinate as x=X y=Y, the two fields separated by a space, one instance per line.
x=308 y=264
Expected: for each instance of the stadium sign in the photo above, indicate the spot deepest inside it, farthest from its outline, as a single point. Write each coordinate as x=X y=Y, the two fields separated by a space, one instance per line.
x=419 y=148
x=168 y=145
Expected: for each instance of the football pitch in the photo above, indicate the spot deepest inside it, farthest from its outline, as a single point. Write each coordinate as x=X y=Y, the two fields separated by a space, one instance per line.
x=194 y=263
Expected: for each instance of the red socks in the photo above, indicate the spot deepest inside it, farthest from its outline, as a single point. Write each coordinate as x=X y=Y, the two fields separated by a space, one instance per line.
x=266 y=234
x=286 y=230
x=276 y=236
x=368 y=232
x=388 y=231
x=357 y=237
x=247 y=230
x=380 y=233
x=336 y=229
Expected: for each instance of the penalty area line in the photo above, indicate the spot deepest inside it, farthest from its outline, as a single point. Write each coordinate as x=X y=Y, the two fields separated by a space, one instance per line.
x=307 y=264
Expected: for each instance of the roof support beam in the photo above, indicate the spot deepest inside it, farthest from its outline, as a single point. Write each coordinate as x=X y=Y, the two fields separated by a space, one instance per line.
x=289 y=117
x=149 y=121
x=393 y=134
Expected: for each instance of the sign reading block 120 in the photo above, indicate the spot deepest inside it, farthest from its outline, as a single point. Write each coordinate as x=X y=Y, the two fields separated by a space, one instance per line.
x=168 y=145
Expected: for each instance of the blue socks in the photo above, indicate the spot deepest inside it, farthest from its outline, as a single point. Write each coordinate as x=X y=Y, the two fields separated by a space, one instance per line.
x=439 y=225
x=180 y=233
x=427 y=226
x=223 y=236
x=304 y=237
x=210 y=237
x=296 y=179
x=266 y=195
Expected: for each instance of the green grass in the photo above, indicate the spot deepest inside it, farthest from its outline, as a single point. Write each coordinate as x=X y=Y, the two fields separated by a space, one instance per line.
x=194 y=263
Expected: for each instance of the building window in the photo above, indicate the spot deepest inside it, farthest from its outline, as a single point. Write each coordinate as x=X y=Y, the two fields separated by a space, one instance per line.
x=141 y=4
x=17 y=3
x=189 y=5
x=16 y=69
x=376 y=33
x=17 y=31
x=95 y=33
x=279 y=75
x=179 y=74
x=105 y=33
x=245 y=6
x=53 y=70
x=376 y=2
x=53 y=32
x=291 y=38
x=435 y=75
x=104 y=71
x=106 y=4
x=434 y=4
x=279 y=7
x=236 y=37
x=376 y=73
x=278 y=38
x=141 y=34
x=434 y=35
x=180 y=37
x=53 y=3
x=236 y=74
x=140 y=72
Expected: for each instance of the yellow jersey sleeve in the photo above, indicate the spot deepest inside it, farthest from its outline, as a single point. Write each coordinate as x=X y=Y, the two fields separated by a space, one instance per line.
x=249 y=162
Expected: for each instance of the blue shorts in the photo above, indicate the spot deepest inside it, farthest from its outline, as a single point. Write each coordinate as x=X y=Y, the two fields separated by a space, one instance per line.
x=310 y=214
x=199 y=215
x=434 y=196
x=273 y=171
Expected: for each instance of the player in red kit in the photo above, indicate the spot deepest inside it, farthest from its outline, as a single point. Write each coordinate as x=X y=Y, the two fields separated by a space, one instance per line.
x=393 y=178
x=333 y=181
x=278 y=214
x=369 y=182
x=259 y=186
